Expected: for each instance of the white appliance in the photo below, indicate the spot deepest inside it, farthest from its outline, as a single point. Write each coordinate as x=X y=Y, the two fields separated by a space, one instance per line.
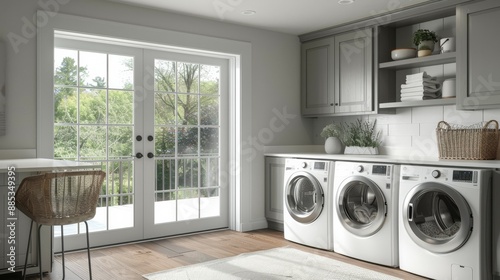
x=307 y=211
x=445 y=222
x=365 y=211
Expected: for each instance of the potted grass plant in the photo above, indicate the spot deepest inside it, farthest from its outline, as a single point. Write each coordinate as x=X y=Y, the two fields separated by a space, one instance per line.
x=361 y=137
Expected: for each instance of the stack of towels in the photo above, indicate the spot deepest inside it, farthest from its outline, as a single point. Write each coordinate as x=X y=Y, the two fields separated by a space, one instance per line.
x=420 y=86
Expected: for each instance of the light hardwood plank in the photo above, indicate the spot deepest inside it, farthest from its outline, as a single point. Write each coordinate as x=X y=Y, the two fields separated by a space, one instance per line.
x=131 y=261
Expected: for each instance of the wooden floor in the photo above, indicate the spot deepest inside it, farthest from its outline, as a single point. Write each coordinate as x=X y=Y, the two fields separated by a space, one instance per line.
x=131 y=261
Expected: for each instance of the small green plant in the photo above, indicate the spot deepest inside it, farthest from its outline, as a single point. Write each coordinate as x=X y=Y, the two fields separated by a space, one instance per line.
x=331 y=130
x=361 y=134
x=424 y=35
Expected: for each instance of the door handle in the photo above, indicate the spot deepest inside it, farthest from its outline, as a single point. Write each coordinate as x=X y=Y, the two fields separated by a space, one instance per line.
x=150 y=155
x=410 y=212
x=139 y=155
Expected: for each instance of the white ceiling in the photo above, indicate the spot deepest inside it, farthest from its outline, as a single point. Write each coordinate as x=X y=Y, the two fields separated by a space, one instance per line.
x=288 y=16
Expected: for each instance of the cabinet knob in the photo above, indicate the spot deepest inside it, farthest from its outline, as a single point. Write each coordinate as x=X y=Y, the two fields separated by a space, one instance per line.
x=139 y=155
x=138 y=138
x=331 y=104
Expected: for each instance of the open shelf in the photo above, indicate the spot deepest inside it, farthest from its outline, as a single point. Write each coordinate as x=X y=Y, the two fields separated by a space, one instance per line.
x=418 y=103
x=419 y=61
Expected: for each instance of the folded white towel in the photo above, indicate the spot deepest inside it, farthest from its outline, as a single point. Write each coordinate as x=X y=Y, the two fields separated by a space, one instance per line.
x=418 y=76
x=413 y=94
x=427 y=83
x=428 y=80
x=420 y=89
x=414 y=98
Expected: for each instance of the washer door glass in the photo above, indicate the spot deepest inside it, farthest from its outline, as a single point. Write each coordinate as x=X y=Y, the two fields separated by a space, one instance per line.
x=304 y=197
x=361 y=206
x=437 y=217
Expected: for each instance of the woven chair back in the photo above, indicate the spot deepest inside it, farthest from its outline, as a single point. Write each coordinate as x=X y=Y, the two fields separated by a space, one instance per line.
x=60 y=198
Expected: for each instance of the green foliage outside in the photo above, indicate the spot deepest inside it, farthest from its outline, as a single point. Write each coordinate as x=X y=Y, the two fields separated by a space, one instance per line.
x=184 y=109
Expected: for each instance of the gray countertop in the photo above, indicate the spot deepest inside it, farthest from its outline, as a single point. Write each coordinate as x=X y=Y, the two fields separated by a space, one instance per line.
x=392 y=159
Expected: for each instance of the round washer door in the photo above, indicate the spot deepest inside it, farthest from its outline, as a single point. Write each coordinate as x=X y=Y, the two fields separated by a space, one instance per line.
x=304 y=197
x=361 y=206
x=437 y=217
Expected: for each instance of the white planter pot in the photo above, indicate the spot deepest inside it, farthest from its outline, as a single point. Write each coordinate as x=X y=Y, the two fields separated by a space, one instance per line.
x=355 y=150
x=425 y=48
x=333 y=145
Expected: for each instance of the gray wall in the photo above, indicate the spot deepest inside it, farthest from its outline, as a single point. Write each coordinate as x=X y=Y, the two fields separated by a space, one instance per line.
x=275 y=73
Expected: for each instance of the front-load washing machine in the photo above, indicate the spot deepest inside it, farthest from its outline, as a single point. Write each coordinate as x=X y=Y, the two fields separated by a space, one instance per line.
x=365 y=211
x=445 y=222
x=307 y=218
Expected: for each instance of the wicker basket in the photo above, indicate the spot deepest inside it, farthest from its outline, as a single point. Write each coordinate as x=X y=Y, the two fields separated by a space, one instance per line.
x=476 y=142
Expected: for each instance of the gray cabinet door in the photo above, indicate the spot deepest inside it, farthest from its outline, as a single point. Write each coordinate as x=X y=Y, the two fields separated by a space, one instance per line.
x=274 y=185
x=353 y=72
x=478 y=59
x=317 y=77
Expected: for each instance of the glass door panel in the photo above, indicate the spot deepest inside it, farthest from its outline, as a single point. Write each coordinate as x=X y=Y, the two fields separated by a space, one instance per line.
x=95 y=114
x=187 y=109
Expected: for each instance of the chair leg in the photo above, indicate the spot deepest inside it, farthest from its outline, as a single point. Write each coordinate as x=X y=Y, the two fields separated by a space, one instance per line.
x=39 y=253
x=88 y=250
x=27 y=251
x=62 y=252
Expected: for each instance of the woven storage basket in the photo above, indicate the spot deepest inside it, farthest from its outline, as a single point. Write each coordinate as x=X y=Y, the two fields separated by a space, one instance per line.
x=476 y=142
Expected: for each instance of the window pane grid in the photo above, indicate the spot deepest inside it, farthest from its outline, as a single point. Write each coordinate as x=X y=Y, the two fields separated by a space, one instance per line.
x=187 y=140
x=93 y=122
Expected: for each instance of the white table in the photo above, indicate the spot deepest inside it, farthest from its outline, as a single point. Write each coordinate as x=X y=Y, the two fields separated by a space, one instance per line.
x=22 y=168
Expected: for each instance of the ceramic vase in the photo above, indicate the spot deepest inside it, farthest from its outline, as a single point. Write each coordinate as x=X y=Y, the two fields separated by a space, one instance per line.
x=425 y=48
x=333 y=145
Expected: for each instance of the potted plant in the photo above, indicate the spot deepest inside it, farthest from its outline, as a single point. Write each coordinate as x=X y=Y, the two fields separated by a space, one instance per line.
x=361 y=137
x=332 y=133
x=424 y=40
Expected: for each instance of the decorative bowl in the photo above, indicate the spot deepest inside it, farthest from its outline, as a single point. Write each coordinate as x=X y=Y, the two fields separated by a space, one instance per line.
x=399 y=54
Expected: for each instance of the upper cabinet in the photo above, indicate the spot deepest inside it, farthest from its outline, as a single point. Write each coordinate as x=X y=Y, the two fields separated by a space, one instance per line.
x=478 y=61
x=349 y=69
x=337 y=75
x=317 y=77
x=353 y=72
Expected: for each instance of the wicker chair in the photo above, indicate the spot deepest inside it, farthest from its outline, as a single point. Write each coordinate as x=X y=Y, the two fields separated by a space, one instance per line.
x=59 y=198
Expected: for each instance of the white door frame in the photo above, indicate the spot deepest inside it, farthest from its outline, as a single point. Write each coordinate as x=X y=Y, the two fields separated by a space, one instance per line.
x=238 y=53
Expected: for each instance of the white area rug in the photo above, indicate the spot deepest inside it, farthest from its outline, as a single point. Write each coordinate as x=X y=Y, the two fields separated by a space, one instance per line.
x=279 y=263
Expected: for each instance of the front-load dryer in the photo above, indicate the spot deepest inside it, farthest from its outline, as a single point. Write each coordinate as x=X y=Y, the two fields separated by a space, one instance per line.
x=365 y=211
x=444 y=225
x=307 y=205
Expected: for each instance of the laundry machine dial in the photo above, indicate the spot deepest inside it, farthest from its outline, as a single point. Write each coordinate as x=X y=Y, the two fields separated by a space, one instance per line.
x=360 y=168
x=436 y=174
x=304 y=164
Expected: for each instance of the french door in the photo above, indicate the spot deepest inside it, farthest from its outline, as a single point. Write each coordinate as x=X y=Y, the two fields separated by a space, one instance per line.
x=157 y=123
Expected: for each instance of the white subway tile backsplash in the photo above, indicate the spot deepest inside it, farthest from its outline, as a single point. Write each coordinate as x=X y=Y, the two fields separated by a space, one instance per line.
x=402 y=115
x=406 y=129
x=426 y=146
x=491 y=114
x=427 y=114
x=397 y=141
x=454 y=116
x=428 y=130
